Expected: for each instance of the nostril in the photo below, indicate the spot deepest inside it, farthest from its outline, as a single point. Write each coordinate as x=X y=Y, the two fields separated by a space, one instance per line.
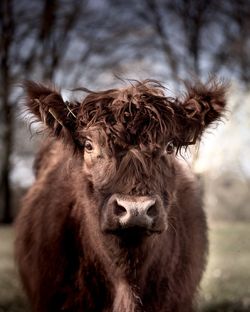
x=152 y=211
x=119 y=210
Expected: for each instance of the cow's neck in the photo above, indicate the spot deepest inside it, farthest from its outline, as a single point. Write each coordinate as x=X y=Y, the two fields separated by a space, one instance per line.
x=131 y=274
x=126 y=297
x=128 y=271
x=124 y=274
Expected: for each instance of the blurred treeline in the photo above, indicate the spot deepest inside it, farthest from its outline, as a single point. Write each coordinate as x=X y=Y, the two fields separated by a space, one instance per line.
x=89 y=42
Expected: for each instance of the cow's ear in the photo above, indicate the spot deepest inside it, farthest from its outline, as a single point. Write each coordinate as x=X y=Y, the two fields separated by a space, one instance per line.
x=47 y=105
x=202 y=105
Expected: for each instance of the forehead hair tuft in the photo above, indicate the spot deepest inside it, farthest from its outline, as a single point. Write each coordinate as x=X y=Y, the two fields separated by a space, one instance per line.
x=139 y=115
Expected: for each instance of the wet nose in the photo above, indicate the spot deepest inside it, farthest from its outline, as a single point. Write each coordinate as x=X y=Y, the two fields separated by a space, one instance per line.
x=140 y=212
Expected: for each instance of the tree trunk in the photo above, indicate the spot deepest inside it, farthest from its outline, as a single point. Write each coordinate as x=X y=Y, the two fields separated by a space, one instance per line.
x=6 y=111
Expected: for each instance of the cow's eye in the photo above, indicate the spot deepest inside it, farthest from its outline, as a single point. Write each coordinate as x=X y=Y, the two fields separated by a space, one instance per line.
x=170 y=147
x=88 y=146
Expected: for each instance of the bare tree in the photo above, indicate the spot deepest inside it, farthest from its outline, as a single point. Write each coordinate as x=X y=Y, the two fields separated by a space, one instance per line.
x=158 y=24
x=233 y=52
x=193 y=17
x=7 y=30
x=180 y=25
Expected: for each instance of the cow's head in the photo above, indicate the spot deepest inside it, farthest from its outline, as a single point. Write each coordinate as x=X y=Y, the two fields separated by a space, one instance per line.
x=128 y=140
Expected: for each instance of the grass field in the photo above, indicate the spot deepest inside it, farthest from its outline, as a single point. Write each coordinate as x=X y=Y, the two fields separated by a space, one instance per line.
x=225 y=287
x=226 y=283
x=11 y=297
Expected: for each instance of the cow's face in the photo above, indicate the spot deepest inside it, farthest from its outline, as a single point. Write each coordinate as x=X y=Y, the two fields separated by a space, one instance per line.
x=127 y=140
x=135 y=187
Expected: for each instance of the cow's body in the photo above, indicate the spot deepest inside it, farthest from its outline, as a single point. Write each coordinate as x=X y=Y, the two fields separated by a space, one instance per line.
x=69 y=262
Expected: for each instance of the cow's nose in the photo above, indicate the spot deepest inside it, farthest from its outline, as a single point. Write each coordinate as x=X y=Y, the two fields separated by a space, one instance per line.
x=140 y=212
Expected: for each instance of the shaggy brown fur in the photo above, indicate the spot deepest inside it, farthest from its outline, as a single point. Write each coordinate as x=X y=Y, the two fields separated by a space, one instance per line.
x=72 y=250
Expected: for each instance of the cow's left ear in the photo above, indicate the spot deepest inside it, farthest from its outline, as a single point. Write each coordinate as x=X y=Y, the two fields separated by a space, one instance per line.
x=48 y=106
x=202 y=105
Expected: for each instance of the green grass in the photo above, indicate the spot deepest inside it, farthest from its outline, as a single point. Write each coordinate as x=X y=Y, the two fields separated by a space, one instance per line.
x=225 y=287
x=11 y=296
x=226 y=283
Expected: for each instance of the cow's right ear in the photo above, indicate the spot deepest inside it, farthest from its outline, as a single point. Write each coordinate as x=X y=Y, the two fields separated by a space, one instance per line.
x=47 y=106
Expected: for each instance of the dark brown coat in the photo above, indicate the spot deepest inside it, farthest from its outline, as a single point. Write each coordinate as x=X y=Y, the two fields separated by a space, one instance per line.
x=80 y=246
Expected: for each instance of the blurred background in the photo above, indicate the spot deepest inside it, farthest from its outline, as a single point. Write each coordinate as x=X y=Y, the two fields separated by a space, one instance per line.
x=90 y=43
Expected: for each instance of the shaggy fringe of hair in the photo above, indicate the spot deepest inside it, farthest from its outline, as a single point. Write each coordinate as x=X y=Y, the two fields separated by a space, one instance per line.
x=141 y=115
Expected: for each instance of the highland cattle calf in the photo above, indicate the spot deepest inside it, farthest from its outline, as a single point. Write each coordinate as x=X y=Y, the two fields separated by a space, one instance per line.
x=114 y=221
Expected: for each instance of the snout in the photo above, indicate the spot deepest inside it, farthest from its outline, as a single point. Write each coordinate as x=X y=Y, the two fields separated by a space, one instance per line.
x=145 y=213
x=135 y=213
